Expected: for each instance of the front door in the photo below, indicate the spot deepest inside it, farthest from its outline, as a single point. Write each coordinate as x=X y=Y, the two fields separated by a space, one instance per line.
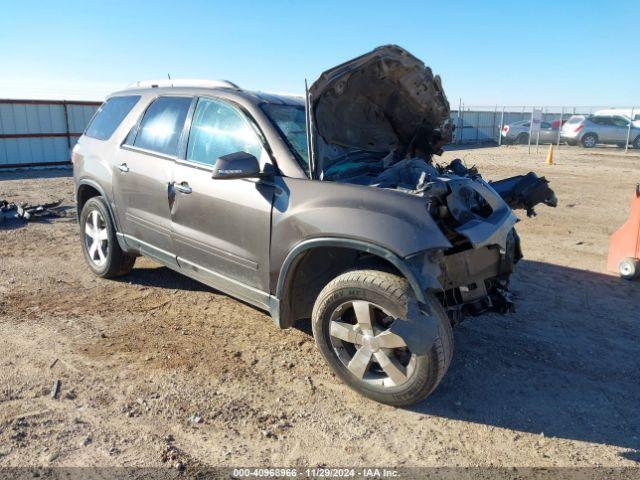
x=221 y=228
x=547 y=133
x=620 y=129
x=143 y=173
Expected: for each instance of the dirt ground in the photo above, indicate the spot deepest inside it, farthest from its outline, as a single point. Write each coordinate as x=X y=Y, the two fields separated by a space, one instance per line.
x=157 y=369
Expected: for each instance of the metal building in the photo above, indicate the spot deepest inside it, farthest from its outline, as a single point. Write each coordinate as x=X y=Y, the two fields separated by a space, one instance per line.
x=41 y=132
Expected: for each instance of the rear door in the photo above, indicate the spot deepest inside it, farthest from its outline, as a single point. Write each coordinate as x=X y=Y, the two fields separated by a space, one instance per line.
x=143 y=173
x=221 y=228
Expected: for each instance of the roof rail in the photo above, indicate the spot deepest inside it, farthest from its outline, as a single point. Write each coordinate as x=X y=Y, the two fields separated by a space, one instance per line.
x=184 y=82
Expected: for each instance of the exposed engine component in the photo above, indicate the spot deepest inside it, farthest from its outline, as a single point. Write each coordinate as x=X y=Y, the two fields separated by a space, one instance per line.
x=378 y=121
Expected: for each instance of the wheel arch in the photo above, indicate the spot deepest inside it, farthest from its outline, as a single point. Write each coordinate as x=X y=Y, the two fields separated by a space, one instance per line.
x=87 y=189
x=295 y=302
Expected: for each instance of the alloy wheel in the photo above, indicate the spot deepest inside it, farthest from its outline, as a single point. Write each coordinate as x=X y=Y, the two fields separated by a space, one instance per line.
x=361 y=338
x=96 y=238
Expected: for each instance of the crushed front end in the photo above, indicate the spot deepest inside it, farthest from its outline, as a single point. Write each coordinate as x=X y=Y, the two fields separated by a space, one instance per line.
x=379 y=120
x=477 y=218
x=473 y=274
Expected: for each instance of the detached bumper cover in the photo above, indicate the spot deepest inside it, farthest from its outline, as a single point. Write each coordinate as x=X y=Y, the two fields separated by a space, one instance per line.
x=525 y=192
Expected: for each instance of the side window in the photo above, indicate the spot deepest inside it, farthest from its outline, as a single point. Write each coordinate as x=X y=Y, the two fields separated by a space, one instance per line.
x=131 y=136
x=162 y=125
x=109 y=116
x=620 y=122
x=545 y=125
x=218 y=129
x=602 y=120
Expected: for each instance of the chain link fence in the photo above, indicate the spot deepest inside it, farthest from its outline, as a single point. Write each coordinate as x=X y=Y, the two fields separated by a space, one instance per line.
x=497 y=125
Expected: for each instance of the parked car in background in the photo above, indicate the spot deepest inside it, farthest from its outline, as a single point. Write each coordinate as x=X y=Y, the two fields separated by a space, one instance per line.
x=518 y=132
x=624 y=112
x=594 y=129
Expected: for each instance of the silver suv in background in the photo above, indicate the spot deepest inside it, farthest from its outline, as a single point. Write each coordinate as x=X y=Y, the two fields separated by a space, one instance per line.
x=518 y=132
x=594 y=129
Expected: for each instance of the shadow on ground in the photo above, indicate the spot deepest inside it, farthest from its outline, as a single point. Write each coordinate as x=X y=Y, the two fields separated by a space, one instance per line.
x=36 y=172
x=565 y=364
x=163 y=277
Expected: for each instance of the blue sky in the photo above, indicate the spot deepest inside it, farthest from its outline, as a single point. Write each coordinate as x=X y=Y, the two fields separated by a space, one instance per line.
x=507 y=53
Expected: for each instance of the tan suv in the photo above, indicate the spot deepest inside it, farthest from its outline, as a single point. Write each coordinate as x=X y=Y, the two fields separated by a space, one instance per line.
x=329 y=209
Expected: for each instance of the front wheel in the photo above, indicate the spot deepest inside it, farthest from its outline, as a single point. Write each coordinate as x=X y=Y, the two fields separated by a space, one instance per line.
x=99 y=243
x=636 y=143
x=352 y=324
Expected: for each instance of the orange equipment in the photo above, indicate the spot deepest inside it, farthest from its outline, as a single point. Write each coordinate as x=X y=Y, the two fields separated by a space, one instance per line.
x=624 y=250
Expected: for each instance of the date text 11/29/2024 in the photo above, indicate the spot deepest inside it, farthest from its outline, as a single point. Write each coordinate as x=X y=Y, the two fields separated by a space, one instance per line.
x=315 y=472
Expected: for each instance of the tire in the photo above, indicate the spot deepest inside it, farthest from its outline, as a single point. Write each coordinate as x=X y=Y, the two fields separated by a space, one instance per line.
x=382 y=293
x=523 y=139
x=636 y=143
x=589 y=140
x=99 y=243
x=629 y=268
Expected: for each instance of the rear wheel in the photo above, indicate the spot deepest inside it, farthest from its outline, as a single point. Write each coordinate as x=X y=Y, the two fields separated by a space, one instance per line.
x=99 y=244
x=589 y=140
x=636 y=143
x=523 y=139
x=352 y=322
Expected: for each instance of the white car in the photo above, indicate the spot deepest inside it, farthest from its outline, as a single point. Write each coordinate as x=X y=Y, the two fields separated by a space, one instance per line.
x=624 y=112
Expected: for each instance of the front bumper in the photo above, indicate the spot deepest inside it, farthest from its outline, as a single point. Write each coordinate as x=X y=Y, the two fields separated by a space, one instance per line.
x=477 y=280
x=570 y=138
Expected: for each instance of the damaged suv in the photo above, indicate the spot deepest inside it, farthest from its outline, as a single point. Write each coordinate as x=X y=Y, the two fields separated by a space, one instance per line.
x=330 y=208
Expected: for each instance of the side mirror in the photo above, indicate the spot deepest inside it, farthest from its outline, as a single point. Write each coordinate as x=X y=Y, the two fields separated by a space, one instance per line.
x=236 y=165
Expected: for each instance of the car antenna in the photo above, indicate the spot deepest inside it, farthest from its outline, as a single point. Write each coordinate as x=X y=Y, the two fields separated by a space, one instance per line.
x=307 y=118
x=169 y=77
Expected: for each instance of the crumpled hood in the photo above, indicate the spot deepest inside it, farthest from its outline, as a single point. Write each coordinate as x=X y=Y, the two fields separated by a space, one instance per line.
x=381 y=102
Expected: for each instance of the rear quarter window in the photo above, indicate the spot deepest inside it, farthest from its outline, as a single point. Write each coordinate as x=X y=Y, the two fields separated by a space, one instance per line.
x=575 y=119
x=109 y=116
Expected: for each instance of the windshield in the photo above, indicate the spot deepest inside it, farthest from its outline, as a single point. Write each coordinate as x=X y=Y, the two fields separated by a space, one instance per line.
x=290 y=121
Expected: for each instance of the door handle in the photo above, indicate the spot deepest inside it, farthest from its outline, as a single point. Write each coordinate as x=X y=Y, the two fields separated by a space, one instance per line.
x=182 y=187
x=123 y=167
